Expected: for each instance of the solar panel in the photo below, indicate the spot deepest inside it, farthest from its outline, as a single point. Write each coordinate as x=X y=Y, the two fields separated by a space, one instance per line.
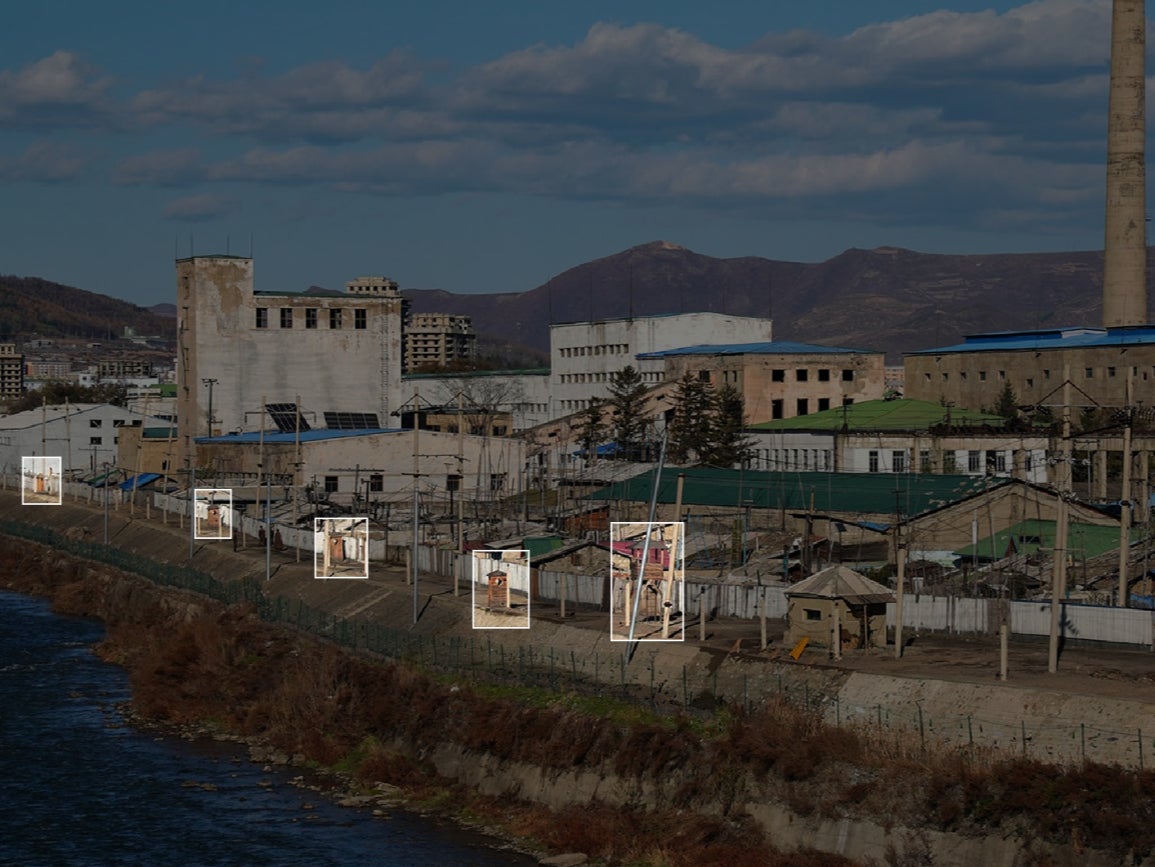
x=286 y=417
x=351 y=420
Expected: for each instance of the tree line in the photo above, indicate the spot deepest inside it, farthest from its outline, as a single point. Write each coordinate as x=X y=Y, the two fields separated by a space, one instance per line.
x=704 y=425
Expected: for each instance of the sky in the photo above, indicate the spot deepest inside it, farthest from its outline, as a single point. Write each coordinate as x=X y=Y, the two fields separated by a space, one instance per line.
x=486 y=147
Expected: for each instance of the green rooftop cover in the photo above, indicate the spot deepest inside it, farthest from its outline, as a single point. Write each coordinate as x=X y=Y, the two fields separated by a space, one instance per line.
x=1028 y=537
x=837 y=493
x=879 y=415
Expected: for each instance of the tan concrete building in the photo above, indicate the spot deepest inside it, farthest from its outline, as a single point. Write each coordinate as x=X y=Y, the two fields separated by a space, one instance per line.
x=244 y=347
x=11 y=372
x=974 y=373
x=781 y=379
x=434 y=340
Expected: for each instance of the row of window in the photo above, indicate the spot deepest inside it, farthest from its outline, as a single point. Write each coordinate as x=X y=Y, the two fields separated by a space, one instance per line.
x=603 y=349
x=792 y=460
x=1088 y=373
x=376 y=483
x=802 y=406
x=977 y=461
x=802 y=374
x=116 y=422
x=604 y=376
x=336 y=318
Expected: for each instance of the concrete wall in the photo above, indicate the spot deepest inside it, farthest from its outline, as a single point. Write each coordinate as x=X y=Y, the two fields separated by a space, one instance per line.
x=974 y=380
x=583 y=355
x=788 y=385
x=328 y=369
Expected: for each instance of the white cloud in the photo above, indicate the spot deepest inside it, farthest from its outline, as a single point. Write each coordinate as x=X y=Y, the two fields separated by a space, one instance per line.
x=199 y=208
x=57 y=91
x=44 y=162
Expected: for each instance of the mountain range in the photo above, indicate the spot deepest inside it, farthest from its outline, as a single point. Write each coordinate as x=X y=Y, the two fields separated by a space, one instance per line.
x=887 y=299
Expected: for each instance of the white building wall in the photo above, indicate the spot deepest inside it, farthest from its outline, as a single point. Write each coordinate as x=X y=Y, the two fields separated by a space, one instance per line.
x=83 y=435
x=329 y=369
x=524 y=395
x=583 y=355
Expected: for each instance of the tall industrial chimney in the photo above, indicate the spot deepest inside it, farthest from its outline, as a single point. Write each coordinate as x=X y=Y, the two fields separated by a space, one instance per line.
x=1125 y=259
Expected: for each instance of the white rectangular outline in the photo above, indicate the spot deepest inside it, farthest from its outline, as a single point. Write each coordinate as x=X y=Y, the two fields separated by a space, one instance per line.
x=316 y=553
x=679 y=557
x=28 y=471
x=196 y=498
x=474 y=584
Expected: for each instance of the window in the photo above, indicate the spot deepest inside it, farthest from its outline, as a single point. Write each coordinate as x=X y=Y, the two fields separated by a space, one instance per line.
x=848 y=401
x=898 y=461
x=452 y=483
x=974 y=461
x=1089 y=373
x=496 y=481
x=1002 y=374
x=286 y=317
x=823 y=375
x=1000 y=462
x=95 y=422
x=777 y=375
x=262 y=317
x=1046 y=374
x=499 y=430
x=823 y=404
x=982 y=376
x=945 y=376
x=872 y=461
x=812 y=614
x=801 y=374
x=803 y=406
x=376 y=483
x=360 y=321
x=1030 y=382
x=330 y=484
x=848 y=375
x=776 y=408
x=335 y=319
x=924 y=460
x=1110 y=373
x=95 y=441
x=949 y=463
x=703 y=376
x=310 y=317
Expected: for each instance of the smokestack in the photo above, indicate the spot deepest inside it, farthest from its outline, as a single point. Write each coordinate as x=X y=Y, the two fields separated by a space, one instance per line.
x=1125 y=258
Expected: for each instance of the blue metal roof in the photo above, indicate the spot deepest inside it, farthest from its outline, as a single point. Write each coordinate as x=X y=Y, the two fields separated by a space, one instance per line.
x=772 y=347
x=1048 y=338
x=307 y=436
x=140 y=481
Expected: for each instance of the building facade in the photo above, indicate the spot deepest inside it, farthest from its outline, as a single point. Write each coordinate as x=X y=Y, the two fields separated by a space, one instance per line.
x=11 y=372
x=1035 y=364
x=780 y=379
x=434 y=340
x=585 y=355
x=86 y=436
x=246 y=348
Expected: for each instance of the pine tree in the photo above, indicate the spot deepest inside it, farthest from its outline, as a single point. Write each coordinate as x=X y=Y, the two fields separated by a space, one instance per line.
x=691 y=427
x=591 y=430
x=627 y=397
x=728 y=443
x=1007 y=405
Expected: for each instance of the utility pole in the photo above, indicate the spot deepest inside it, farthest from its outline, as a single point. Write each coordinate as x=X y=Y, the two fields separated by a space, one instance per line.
x=1125 y=500
x=1059 y=564
x=210 y=383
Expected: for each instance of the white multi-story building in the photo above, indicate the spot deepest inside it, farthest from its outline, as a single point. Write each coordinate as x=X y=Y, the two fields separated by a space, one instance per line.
x=584 y=355
x=332 y=354
x=83 y=435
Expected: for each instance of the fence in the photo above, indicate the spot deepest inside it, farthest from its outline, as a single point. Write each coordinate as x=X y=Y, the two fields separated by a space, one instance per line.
x=644 y=680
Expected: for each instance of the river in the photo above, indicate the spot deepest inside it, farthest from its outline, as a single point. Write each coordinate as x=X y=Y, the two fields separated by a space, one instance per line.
x=78 y=786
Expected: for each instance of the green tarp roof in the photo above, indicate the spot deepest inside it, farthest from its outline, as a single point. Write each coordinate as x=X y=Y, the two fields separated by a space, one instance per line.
x=1083 y=541
x=838 y=493
x=880 y=415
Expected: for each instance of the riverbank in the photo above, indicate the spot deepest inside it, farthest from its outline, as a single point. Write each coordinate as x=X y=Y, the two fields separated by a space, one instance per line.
x=700 y=785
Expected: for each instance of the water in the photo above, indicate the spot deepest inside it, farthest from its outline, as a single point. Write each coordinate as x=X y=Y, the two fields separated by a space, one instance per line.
x=80 y=787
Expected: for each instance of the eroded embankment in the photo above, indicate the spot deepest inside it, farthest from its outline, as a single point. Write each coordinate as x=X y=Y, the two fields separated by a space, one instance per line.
x=620 y=782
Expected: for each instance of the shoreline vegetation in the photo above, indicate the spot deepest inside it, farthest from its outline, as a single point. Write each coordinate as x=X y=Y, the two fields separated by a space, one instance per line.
x=680 y=789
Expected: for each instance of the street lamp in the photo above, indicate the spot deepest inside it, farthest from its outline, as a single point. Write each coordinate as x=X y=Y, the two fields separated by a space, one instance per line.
x=210 y=383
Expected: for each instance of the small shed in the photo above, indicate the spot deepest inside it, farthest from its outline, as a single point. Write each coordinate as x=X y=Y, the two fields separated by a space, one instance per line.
x=839 y=601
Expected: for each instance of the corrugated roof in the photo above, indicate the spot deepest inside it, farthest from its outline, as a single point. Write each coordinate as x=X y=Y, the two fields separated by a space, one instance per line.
x=839 y=582
x=1028 y=537
x=772 y=347
x=1048 y=338
x=880 y=415
x=307 y=436
x=837 y=493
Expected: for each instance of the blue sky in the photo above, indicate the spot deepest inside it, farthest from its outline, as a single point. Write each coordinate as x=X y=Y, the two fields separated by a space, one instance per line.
x=487 y=147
